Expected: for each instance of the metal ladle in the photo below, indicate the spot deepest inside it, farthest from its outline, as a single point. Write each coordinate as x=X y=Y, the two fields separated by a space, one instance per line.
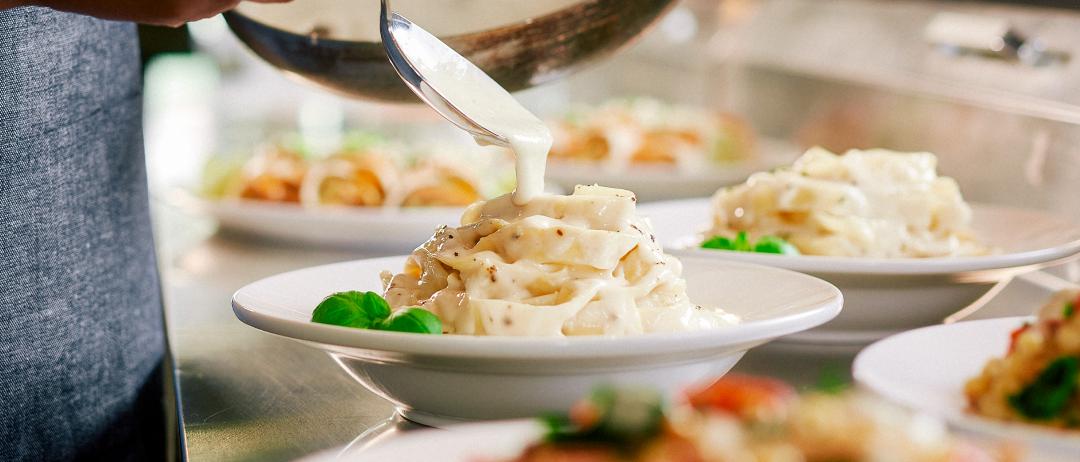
x=530 y=52
x=468 y=98
x=396 y=30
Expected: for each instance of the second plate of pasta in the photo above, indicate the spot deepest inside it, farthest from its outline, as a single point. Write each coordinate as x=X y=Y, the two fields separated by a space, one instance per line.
x=887 y=295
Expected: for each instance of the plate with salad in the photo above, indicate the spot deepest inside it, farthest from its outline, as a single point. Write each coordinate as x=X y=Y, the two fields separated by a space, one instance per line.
x=1015 y=379
x=736 y=418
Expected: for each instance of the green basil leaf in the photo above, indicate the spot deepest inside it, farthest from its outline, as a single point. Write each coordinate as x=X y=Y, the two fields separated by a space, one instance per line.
x=833 y=380
x=1049 y=395
x=773 y=244
x=718 y=243
x=742 y=242
x=558 y=427
x=415 y=320
x=351 y=309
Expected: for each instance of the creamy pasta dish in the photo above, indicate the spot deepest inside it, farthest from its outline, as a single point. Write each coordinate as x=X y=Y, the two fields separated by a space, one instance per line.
x=643 y=131
x=873 y=203
x=583 y=264
x=372 y=174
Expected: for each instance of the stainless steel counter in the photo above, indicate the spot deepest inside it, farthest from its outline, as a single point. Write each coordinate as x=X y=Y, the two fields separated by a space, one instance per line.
x=245 y=394
x=248 y=395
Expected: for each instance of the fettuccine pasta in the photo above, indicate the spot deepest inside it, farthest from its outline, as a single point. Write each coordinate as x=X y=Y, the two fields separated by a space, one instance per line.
x=558 y=265
x=874 y=203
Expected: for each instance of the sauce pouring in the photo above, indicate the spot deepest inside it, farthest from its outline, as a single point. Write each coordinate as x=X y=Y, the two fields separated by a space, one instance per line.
x=468 y=98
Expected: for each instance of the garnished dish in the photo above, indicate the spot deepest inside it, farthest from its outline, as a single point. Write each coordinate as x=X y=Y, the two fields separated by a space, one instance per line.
x=546 y=293
x=874 y=203
x=369 y=191
x=536 y=264
x=644 y=131
x=367 y=172
x=744 y=418
x=583 y=264
x=1038 y=380
x=1012 y=380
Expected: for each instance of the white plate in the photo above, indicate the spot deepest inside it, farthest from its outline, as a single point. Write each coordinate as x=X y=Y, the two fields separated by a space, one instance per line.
x=476 y=442
x=925 y=369
x=393 y=230
x=659 y=183
x=437 y=380
x=884 y=296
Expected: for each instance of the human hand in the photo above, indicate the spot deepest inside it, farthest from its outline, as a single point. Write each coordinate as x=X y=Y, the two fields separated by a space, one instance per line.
x=172 y=13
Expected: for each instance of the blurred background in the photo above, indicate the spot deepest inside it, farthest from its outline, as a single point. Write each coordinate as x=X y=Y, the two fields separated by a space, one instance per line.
x=991 y=87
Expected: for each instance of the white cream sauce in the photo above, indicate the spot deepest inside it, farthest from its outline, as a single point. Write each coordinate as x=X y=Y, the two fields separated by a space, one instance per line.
x=480 y=98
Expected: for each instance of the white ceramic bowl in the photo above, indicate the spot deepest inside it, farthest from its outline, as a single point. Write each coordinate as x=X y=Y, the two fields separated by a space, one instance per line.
x=926 y=369
x=885 y=296
x=437 y=380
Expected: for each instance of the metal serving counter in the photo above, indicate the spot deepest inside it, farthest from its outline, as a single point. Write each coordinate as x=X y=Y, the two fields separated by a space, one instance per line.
x=245 y=394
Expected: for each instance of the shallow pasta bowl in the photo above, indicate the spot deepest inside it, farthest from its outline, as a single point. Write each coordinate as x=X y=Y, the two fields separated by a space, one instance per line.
x=887 y=295
x=437 y=380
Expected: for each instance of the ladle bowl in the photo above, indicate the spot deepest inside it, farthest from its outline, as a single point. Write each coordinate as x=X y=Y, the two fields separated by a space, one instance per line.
x=517 y=55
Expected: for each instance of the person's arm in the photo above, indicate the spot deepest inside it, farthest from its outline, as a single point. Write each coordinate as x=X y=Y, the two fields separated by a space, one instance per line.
x=158 y=12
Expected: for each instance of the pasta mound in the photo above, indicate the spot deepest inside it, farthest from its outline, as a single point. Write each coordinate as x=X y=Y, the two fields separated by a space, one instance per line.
x=582 y=264
x=874 y=203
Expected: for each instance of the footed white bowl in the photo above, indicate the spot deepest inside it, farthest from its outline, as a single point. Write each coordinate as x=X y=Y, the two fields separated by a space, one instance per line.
x=442 y=379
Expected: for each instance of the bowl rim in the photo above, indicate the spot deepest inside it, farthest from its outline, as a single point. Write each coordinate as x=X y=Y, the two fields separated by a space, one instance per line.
x=1012 y=262
x=542 y=348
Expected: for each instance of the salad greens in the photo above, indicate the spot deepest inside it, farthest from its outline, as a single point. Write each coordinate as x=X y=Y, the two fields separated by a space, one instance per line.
x=367 y=310
x=615 y=415
x=741 y=243
x=1048 y=396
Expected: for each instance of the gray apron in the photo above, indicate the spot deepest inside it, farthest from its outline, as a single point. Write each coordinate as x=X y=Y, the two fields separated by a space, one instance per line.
x=80 y=311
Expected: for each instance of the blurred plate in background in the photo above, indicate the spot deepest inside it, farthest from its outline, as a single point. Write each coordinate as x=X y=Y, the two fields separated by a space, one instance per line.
x=926 y=370
x=658 y=183
x=389 y=229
